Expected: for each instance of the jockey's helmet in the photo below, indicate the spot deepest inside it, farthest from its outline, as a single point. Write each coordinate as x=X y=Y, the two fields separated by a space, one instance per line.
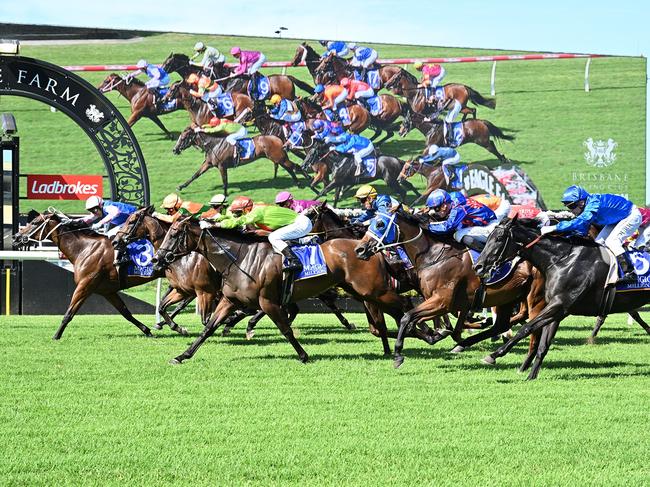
x=319 y=124
x=574 y=193
x=235 y=51
x=241 y=204
x=345 y=82
x=323 y=43
x=283 y=197
x=366 y=191
x=319 y=88
x=142 y=63
x=438 y=198
x=204 y=82
x=94 y=202
x=433 y=148
x=275 y=99
x=218 y=200
x=418 y=65
x=192 y=79
x=214 y=121
x=352 y=45
x=199 y=47
x=172 y=202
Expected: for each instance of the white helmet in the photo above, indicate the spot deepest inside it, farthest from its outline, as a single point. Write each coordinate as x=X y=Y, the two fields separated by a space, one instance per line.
x=218 y=199
x=94 y=202
x=199 y=46
x=352 y=45
x=142 y=64
x=433 y=148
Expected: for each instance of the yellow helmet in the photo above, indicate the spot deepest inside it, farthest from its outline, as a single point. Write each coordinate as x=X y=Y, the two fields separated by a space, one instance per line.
x=366 y=191
x=172 y=201
x=275 y=99
x=418 y=65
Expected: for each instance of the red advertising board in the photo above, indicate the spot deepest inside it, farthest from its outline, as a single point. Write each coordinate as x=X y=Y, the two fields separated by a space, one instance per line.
x=63 y=186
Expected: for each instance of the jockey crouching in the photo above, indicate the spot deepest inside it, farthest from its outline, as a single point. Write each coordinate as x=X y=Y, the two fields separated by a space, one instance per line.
x=449 y=156
x=232 y=130
x=211 y=56
x=357 y=145
x=325 y=130
x=338 y=48
x=284 y=224
x=175 y=207
x=207 y=90
x=286 y=200
x=364 y=58
x=285 y=111
x=357 y=90
x=432 y=75
x=250 y=63
x=372 y=203
x=158 y=78
x=106 y=214
x=471 y=222
x=618 y=216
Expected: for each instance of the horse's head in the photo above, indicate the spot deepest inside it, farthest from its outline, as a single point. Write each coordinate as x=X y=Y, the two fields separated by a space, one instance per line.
x=111 y=82
x=301 y=54
x=133 y=229
x=407 y=124
x=395 y=83
x=187 y=138
x=175 y=61
x=40 y=228
x=326 y=72
x=500 y=247
x=410 y=167
x=181 y=239
x=383 y=230
x=318 y=151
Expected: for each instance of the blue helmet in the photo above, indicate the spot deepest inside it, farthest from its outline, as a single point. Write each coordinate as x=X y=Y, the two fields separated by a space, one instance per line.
x=574 y=193
x=437 y=198
x=319 y=88
x=319 y=124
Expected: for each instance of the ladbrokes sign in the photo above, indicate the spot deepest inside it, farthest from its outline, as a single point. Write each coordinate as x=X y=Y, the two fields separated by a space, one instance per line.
x=63 y=186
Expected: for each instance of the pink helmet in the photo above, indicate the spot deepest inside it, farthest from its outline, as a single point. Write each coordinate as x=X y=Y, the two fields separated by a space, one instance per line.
x=235 y=51
x=283 y=196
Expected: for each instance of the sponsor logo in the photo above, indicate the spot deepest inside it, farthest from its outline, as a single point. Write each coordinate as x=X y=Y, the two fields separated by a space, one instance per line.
x=93 y=114
x=63 y=186
x=600 y=153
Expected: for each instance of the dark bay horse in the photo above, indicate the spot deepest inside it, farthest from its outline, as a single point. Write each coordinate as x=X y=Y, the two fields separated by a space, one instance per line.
x=332 y=69
x=479 y=132
x=405 y=84
x=432 y=172
x=141 y=99
x=341 y=168
x=220 y=154
x=575 y=274
x=252 y=275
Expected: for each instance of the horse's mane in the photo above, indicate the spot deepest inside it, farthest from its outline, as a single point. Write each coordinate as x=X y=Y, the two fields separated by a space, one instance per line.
x=411 y=78
x=533 y=224
x=76 y=226
x=135 y=81
x=422 y=223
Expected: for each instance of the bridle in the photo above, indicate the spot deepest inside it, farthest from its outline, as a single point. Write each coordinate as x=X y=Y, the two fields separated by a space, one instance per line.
x=380 y=238
x=113 y=84
x=501 y=258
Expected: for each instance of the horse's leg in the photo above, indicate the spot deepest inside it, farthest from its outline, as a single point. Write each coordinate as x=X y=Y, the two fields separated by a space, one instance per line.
x=230 y=322
x=171 y=298
x=252 y=323
x=205 y=300
x=542 y=350
x=281 y=320
x=378 y=324
x=119 y=305
x=493 y=150
x=409 y=187
x=330 y=301
x=535 y=338
x=81 y=292
x=275 y=172
x=501 y=325
x=159 y=325
x=204 y=167
x=637 y=317
x=224 y=308
x=157 y=121
x=224 y=177
x=599 y=323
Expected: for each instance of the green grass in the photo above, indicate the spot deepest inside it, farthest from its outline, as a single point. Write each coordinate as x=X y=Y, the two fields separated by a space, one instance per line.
x=543 y=100
x=103 y=407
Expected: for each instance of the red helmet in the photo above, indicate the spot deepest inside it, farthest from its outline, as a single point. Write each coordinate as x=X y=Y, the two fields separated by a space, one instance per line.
x=214 y=121
x=345 y=82
x=241 y=203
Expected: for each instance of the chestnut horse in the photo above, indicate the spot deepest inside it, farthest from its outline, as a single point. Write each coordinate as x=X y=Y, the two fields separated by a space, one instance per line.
x=141 y=99
x=405 y=84
x=220 y=154
x=252 y=277
x=200 y=113
x=332 y=69
x=476 y=131
x=433 y=173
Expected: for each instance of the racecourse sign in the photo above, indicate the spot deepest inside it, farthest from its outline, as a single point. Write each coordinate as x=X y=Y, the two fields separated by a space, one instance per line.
x=63 y=186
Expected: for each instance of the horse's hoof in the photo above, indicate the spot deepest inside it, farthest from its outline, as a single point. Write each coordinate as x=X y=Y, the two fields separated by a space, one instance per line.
x=148 y=334
x=444 y=333
x=158 y=326
x=175 y=361
x=225 y=332
x=591 y=341
x=489 y=360
x=352 y=326
x=304 y=358
x=457 y=349
x=179 y=188
x=56 y=338
x=399 y=360
x=250 y=334
x=183 y=331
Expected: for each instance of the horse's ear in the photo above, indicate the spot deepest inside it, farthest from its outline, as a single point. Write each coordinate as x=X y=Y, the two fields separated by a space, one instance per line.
x=149 y=209
x=303 y=44
x=513 y=220
x=323 y=205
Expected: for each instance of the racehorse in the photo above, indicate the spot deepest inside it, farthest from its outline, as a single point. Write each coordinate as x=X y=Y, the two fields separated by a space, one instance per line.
x=220 y=154
x=92 y=256
x=405 y=84
x=341 y=168
x=446 y=278
x=200 y=111
x=140 y=97
x=333 y=68
x=433 y=173
x=190 y=277
x=575 y=273
x=476 y=131
x=252 y=277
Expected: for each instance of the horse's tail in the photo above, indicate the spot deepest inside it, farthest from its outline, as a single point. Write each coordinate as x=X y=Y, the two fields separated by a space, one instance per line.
x=497 y=132
x=301 y=84
x=479 y=99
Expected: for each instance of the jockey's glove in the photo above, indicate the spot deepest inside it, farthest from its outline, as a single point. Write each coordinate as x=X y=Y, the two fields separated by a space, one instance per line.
x=96 y=226
x=204 y=225
x=548 y=229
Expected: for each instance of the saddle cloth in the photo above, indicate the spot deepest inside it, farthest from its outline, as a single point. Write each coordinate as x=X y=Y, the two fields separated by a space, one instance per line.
x=457 y=134
x=369 y=166
x=262 y=90
x=246 y=148
x=374 y=105
x=499 y=274
x=224 y=105
x=312 y=259
x=140 y=254
x=641 y=261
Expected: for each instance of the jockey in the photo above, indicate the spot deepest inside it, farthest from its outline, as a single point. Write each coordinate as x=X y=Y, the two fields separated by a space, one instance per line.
x=500 y=206
x=249 y=63
x=207 y=90
x=232 y=130
x=471 y=222
x=175 y=208
x=285 y=110
x=211 y=56
x=449 y=156
x=359 y=146
x=158 y=77
x=432 y=75
x=644 y=230
x=338 y=48
x=324 y=129
x=333 y=95
x=618 y=216
x=217 y=209
x=284 y=224
x=285 y=200
x=357 y=90
x=364 y=58
x=106 y=213
x=372 y=202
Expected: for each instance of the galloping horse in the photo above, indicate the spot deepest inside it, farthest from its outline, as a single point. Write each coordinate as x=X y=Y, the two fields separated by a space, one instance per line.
x=405 y=84
x=332 y=69
x=341 y=168
x=140 y=98
x=200 y=113
x=476 y=131
x=220 y=154
x=433 y=173
x=252 y=275
x=575 y=273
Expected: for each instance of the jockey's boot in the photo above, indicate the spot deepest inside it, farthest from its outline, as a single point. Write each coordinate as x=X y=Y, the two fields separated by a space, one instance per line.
x=451 y=177
x=473 y=243
x=236 y=157
x=254 y=79
x=293 y=263
x=359 y=170
x=629 y=277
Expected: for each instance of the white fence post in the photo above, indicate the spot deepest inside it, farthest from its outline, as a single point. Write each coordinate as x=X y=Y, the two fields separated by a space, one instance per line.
x=493 y=78
x=158 y=285
x=587 y=74
x=284 y=70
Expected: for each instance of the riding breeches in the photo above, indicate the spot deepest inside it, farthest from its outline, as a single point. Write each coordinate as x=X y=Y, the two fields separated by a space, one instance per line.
x=613 y=236
x=453 y=113
x=450 y=162
x=365 y=152
x=643 y=238
x=503 y=210
x=232 y=139
x=299 y=228
x=436 y=81
x=478 y=233
x=339 y=99
x=364 y=94
x=255 y=67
